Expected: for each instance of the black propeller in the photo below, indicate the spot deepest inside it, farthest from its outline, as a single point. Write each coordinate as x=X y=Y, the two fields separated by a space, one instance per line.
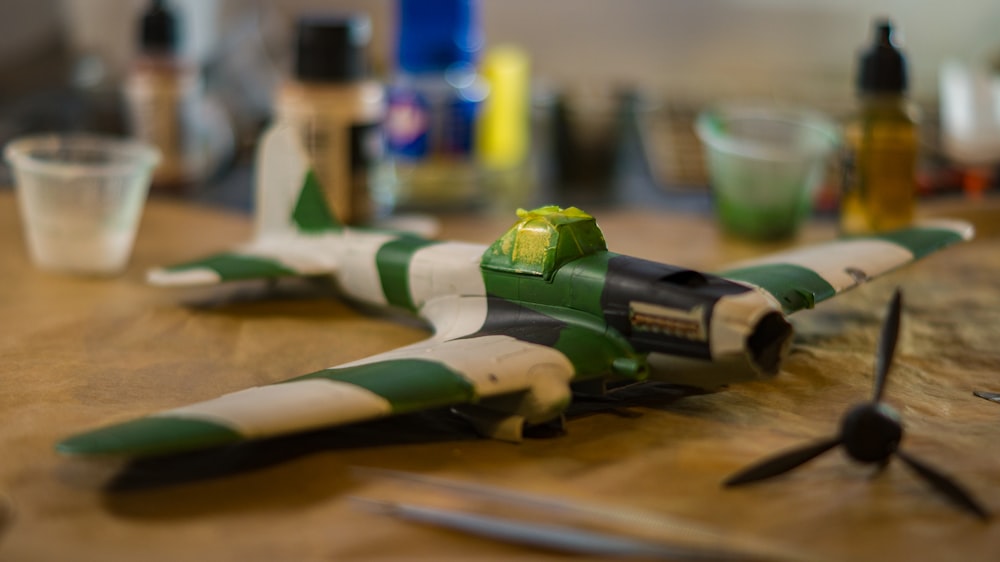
x=870 y=433
x=991 y=396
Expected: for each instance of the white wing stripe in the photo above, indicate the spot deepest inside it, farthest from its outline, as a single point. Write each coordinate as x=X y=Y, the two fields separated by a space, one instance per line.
x=287 y=407
x=492 y=364
x=196 y=276
x=304 y=253
x=455 y=317
x=961 y=228
x=449 y=268
x=836 y=261
x=359 y=273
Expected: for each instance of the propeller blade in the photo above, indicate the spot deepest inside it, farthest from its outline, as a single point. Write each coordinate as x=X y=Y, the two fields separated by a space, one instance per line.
x=887 y=344
x=991 y=396
x=782 y=462
x=945 y=485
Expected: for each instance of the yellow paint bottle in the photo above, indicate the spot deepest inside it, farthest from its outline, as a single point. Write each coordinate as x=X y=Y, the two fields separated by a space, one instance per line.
x=881 y=144
x=504 y=132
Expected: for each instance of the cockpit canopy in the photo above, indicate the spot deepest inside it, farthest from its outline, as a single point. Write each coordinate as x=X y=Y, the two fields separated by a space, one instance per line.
x=543 y=240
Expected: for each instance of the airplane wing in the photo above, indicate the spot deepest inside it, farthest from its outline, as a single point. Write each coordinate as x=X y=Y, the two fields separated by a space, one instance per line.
x=800 y=278
x=423 y=376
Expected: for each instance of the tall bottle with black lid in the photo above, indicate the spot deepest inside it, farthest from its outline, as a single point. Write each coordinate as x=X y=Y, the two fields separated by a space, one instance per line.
x=163 y=93
x=881 y=142
x=434 y=102
x=338 y=111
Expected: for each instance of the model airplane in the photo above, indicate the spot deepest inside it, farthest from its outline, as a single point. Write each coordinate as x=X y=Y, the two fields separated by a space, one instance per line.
x=518 y=325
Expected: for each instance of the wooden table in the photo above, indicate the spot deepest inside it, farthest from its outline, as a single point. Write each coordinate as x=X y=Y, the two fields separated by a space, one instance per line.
x=79 y=352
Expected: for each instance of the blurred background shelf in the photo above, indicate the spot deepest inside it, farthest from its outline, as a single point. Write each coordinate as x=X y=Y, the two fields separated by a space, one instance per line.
x=61 y=62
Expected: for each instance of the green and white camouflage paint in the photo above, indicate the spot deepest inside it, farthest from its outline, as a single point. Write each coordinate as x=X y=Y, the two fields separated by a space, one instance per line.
x=516 y=324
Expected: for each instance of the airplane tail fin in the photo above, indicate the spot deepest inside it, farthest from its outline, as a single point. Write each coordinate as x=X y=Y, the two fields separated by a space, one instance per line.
x=291 y=219
x=288 y=195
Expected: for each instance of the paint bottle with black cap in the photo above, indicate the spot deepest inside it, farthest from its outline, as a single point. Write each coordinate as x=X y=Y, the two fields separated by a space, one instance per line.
x=163 y=93
x=882 y=141
x=338 y=111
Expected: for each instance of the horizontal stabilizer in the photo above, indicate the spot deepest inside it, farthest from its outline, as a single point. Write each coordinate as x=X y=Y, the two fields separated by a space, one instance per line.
x=268 y=258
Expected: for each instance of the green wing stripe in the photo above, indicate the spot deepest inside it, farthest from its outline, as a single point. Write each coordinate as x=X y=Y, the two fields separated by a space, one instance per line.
x=232 y=267
x=921 y=241
x=408 y=384
x=312 y=214
x=393 y=261
x=150 y=436
x=794 y=286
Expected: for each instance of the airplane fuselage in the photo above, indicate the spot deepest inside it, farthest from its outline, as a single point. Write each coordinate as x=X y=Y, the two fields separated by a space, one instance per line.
x=633 y=317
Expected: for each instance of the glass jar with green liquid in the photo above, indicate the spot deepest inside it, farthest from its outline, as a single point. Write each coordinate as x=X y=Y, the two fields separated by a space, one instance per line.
x=881 y=144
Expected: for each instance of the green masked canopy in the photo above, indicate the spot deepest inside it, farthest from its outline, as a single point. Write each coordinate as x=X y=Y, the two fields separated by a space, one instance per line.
x=543 y=240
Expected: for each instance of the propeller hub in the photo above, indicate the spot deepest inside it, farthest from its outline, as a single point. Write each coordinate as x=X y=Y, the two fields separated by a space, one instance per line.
x=871 y=432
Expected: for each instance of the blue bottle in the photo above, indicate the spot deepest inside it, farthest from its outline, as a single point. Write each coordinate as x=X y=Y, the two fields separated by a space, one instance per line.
x=433 y=105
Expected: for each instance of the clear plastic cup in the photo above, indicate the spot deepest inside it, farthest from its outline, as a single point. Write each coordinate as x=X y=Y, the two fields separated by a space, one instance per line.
x=765 y=165
x=81 y=198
